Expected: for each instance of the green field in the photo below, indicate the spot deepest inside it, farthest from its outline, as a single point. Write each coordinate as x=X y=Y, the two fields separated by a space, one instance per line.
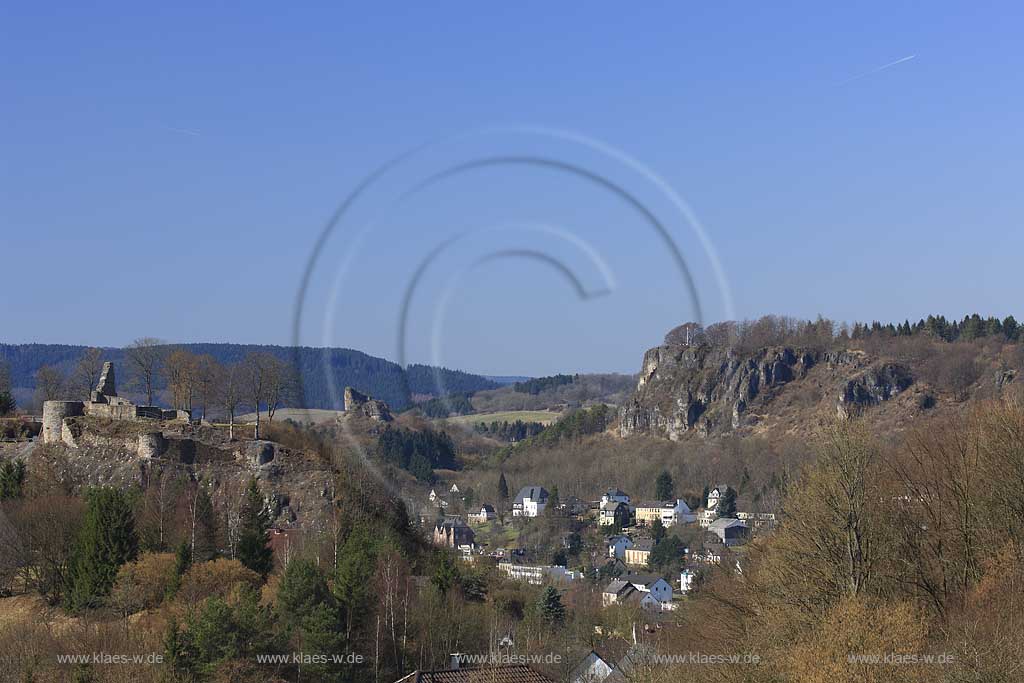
x=543 y=416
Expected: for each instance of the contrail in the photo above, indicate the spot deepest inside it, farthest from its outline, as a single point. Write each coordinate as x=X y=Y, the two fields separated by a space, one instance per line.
x=877 y=69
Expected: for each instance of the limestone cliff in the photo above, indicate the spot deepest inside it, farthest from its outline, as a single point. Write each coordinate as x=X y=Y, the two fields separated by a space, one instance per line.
x=695 y=387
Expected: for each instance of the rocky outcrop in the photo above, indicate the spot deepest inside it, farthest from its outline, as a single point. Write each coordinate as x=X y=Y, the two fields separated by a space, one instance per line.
x=359 y=403
x=878 y=384
x=688 y=387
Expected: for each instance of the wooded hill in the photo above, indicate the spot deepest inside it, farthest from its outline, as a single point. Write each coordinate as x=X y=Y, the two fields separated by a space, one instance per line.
x=377 y=377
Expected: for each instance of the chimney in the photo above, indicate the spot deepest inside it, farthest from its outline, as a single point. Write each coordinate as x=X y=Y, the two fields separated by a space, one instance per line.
x=456 y=661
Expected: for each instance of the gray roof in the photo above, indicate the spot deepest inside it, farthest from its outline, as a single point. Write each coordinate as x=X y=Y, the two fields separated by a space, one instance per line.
x=723 y=523
x=538 y=493
x=616 y=586
x=645 y=580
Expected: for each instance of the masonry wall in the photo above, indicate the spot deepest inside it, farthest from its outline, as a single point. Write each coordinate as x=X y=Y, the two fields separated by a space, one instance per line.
x=54 y=413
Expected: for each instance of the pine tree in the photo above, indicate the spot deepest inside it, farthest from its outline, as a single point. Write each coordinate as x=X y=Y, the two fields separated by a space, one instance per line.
x=446 y=574
x=658 y=531
x=204 y=530
x=727 y=503
x=182 y=562
x=664 y=487
x=253 y=548
x=551 y=608
x=12 y=479
x=502 y=488
x=353 y=575
x=7 y=403
x=106 y=541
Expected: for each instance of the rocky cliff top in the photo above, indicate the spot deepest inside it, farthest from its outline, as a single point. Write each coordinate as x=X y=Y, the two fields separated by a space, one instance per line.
x=688 y=385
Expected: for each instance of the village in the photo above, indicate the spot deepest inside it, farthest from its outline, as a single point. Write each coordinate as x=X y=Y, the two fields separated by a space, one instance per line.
x=648 y=554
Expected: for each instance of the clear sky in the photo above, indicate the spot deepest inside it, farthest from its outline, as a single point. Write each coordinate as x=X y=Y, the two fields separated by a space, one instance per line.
x=166 y=171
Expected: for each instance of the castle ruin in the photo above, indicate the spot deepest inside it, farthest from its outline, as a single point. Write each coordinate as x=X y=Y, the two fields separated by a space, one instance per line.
x=103 y=402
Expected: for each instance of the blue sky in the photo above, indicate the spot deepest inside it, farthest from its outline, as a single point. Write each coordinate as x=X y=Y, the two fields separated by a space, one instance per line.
x=166 y=171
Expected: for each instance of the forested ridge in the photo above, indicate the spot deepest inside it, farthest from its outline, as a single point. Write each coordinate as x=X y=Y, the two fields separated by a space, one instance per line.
x=377 y=377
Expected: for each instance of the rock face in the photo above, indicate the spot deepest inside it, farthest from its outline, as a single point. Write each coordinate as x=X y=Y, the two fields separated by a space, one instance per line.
x=687 y=387
x=356 y=402
x=874 y=386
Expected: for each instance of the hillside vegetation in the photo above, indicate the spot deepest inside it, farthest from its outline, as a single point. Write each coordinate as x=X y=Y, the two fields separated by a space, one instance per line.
x=345 y=367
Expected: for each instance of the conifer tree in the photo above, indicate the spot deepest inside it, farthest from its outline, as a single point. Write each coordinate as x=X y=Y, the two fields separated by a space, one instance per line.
x=551 y=608
x=106 y=540
x=353 y=575
x=664 y=486
x=253 y=548
x=204 y=527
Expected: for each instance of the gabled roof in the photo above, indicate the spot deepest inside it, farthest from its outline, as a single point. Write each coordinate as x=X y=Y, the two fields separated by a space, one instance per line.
x=615 y=492
x=616 y=586
x=486 y=508
x=518 y=673
x=723 y=523
x=538 y=493
x=612 y=505
x=645 y=580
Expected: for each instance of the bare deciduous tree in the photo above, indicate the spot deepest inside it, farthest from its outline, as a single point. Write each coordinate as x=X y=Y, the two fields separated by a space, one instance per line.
x=50 y=384
x=230 y=391
x=87 y=372
x=145 y=356
x=207 y=372
x=181 y=370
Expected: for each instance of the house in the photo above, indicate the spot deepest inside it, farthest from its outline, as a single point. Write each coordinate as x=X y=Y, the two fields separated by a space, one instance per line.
x=538 y=575
x=530 y=501
x=617 y=546
x=730 y=531
x=647 y=513
x=485 y=514
x=686 y=578
x=593 y=668
x=506 y=673
x=706 y=516
x=433 y=496
x=452 y=532
x=658 y=588
x=616 y=496
x=616 y=592
x=677 y=513
x=454 y=488
x=640 y=553
x=757 y=521
x=613 y=513
x=715 y=495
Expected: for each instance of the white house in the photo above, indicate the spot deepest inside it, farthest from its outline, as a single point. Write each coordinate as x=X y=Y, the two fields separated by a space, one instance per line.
x=715 y=495
x=454 y=488
x=706 y=516
x=618 y=545
x=679 y=513
x=615 y=496
x=686 y=578
x=530 y=501
x=659 y=588
x=613 y=512
x=538 y=574
x=433 y=495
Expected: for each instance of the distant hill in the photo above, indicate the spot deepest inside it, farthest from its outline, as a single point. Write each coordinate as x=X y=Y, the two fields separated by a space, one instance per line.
x=378 y=377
